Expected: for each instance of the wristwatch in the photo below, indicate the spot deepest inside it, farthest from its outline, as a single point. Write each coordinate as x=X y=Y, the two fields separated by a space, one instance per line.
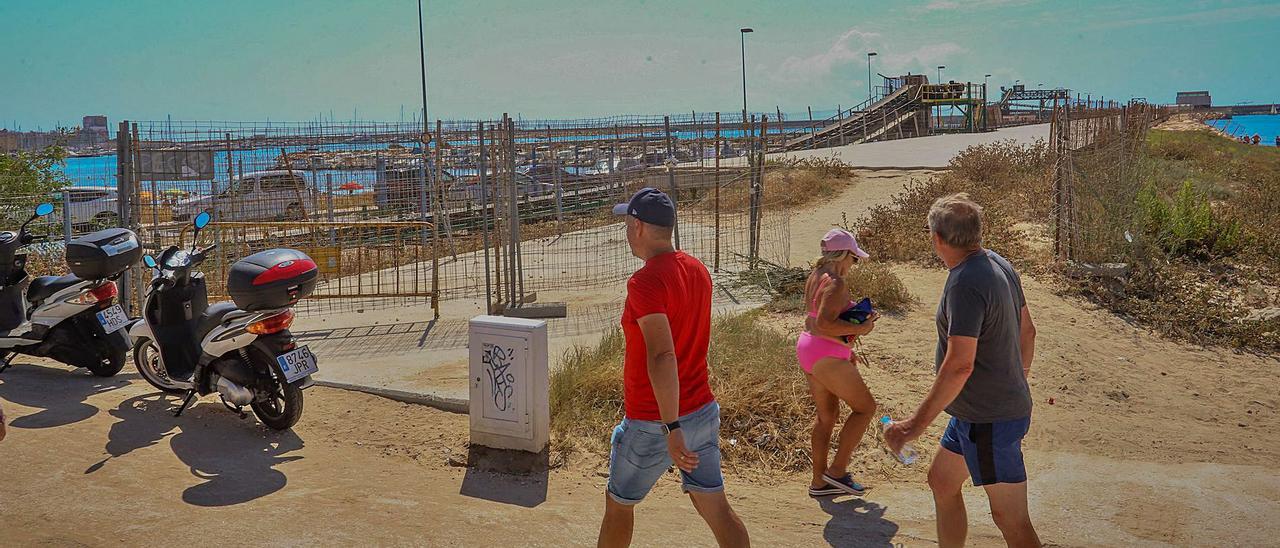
x=668 y=427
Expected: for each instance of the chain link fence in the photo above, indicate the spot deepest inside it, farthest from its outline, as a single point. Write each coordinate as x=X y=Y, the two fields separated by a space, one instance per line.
x=499 y=209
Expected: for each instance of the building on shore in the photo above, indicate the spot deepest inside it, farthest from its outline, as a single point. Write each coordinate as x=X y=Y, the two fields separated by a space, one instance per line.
x=92 y=135
x=1194 y=99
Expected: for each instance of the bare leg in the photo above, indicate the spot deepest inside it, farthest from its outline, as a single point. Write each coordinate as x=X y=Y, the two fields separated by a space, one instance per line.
x=828 y=411
x=1009 y=510
x=841 y=378
x=724 y=522
x=947 y=475
x=619 y=520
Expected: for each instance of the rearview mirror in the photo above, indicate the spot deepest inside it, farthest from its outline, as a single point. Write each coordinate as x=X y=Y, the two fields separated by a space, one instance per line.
x=44 y=209
x=201 y=220
x=149 y=261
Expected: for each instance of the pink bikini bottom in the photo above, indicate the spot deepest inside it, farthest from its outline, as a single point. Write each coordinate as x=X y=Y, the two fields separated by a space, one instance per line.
x=811 y=348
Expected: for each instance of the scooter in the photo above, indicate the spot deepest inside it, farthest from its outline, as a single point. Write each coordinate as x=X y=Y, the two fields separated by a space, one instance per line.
x=74 y=318
x=242 y=350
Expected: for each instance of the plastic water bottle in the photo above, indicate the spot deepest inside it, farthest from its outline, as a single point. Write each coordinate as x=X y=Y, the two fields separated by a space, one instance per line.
x=908 y=454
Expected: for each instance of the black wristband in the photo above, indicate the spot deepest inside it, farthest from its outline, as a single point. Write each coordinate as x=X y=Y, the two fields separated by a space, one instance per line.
x=673 y=425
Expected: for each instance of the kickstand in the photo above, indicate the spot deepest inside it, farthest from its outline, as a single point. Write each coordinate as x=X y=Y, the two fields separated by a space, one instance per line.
x=8 y=360
x=191 y=397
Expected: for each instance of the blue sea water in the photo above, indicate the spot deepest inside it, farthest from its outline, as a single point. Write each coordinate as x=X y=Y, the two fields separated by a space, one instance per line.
x=1266 y=126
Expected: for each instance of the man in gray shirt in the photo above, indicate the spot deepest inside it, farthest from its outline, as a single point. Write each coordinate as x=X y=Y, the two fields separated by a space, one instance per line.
x=985 y=345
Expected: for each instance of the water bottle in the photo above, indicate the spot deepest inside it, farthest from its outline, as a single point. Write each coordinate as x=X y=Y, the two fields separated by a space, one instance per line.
x=908 y=454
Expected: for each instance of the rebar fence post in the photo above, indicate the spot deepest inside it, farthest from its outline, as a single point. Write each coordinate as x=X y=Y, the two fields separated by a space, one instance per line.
x=716 y=266
x=671 y=175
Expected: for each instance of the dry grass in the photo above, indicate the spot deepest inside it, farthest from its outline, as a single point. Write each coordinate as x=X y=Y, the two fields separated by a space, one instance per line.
x=1009 y=180
x=766 y=409
x=867 y=279
x=790 y=184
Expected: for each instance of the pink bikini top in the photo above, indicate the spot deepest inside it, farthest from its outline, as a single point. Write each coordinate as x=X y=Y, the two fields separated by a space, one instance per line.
x=813 y=303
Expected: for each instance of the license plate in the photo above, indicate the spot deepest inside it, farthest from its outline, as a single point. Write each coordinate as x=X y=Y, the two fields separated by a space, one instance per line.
x=297 y=363
x=113 y=318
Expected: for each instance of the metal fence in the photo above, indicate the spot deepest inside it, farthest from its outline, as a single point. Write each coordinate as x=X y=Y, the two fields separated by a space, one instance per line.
x=499 y=209
x=1097 y=174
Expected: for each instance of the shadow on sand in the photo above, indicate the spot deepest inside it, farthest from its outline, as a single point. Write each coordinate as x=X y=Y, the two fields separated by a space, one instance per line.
x=856 y=522
x=235 y=458
x=58 y=393
x=509 y=477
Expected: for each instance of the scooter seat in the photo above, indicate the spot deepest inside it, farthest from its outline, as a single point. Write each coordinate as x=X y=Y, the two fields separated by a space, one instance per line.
x=213 y=317
x=44 y=287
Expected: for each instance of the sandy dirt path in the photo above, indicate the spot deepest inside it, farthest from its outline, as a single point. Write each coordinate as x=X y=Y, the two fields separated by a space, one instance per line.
x=98 y=463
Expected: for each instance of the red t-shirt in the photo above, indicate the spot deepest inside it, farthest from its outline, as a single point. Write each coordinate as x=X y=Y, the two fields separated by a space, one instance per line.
x=678 y=285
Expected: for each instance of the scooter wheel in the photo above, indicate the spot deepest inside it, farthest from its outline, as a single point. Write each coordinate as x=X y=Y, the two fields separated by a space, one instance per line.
x=110 y=365
x=146 y=357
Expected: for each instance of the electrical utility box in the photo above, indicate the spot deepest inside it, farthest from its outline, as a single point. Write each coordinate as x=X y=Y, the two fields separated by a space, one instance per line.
x=510 y=407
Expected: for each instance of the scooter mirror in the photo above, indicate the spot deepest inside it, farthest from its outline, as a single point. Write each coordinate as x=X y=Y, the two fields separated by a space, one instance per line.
x=149 y=261
x=201 y=220
x=44 y=209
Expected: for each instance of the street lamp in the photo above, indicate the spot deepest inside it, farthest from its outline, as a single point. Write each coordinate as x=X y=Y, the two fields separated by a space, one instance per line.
x=984 y=79
x=870 y=54
x=940 y=67
x=742 y=35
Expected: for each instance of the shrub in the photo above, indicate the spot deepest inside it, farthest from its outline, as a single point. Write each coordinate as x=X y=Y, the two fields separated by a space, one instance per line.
x=1188 y=226
x=766 y=408
x=1008 y=179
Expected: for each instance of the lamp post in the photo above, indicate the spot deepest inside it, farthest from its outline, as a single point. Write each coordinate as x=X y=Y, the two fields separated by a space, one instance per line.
x=870 y=54
x=742 y=35
x=984 y=80
x=939 y=108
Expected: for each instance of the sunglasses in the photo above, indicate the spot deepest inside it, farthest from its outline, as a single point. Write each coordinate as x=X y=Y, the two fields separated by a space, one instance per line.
x=927 y=230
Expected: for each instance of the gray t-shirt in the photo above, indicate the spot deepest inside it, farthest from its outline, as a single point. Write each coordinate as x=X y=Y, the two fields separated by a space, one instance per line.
x=983 y=299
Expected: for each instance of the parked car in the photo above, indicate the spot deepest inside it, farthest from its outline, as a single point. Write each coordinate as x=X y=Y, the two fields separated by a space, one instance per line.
x=91 y=206
x=548 y=174
x=256 y=196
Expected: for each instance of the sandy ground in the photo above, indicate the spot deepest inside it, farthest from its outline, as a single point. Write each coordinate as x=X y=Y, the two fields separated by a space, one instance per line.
x=923 y=152
x=1147 y=442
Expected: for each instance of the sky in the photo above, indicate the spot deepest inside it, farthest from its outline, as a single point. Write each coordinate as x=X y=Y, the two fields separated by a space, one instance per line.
x=279 y=60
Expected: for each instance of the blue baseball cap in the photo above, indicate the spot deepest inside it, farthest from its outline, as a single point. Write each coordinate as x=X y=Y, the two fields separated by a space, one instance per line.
x=651 y=206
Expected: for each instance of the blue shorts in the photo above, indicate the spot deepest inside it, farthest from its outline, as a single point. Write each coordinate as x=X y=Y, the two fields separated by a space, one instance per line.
x=991 y=450
x=638 y=456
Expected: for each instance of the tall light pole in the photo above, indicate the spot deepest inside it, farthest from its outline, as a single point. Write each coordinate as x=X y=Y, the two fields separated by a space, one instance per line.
x=870 y=54
x=984 y=80
x=742 y=35
x=940 y=67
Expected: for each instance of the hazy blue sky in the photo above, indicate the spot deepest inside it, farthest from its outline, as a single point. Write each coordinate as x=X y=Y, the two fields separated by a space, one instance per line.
x=292 y=60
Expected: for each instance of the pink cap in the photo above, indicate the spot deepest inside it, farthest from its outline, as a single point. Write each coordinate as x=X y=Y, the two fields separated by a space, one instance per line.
x=842 y=240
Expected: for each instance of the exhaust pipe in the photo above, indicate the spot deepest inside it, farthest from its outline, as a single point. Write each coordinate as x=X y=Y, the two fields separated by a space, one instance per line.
x=232 y=392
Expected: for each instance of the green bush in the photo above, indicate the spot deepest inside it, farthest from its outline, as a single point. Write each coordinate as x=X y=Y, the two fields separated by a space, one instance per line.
x=1187 y=227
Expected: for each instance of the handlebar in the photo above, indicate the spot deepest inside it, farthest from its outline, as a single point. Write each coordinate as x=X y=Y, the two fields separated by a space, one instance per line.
x=27 y=238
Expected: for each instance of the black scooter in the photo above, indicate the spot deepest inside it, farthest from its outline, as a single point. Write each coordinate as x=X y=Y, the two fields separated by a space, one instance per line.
x=73 y=318
x=243 y=349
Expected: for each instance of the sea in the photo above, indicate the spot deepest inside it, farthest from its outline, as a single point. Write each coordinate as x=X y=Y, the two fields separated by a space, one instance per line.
x=1266 y=126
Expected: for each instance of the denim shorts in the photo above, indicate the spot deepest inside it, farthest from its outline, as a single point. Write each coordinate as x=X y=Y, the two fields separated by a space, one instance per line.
x=992 y=450
x=638 y=455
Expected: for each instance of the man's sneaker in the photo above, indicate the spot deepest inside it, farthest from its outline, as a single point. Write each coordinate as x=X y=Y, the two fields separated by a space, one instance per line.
x=825 y=491
x=846 y=484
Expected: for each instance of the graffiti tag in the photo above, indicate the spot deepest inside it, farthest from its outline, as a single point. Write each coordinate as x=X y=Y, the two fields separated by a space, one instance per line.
x=497 y=360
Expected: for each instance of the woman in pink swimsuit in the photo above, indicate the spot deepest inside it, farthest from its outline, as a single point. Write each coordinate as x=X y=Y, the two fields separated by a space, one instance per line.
x=829 y=365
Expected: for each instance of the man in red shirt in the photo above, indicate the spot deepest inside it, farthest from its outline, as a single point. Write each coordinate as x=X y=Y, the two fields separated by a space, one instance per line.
x=671 y=415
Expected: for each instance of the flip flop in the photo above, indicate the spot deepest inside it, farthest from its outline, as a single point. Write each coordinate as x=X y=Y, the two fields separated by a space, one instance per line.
x=846 y=484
